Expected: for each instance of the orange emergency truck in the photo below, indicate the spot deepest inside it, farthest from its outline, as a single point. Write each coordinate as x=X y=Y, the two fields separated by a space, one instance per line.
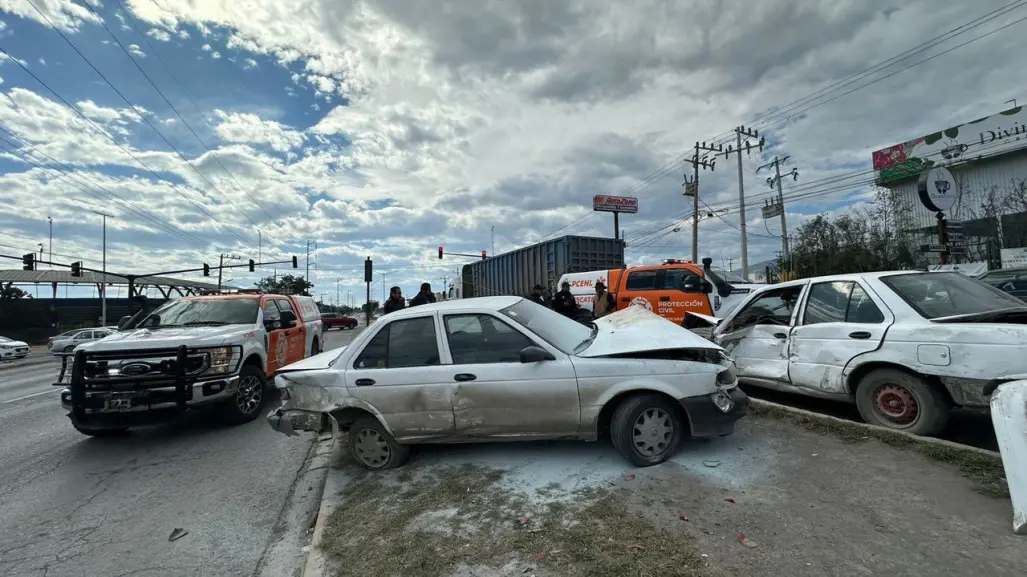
x=670 y=289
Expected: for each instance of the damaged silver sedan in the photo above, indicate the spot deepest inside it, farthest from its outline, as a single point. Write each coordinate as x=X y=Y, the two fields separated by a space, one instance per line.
x=507 y=369
x=905 y=347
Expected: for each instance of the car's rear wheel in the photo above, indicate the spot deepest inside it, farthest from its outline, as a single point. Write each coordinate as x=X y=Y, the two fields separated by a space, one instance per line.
x=898 y=400
x=646 y=429
x=69 y=348
x=315 y=348
x=249 y=398
x=116 y=432
x=373 y=447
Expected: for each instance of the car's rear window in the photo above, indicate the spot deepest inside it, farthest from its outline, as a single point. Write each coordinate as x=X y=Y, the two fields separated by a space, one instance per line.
x=947 y=294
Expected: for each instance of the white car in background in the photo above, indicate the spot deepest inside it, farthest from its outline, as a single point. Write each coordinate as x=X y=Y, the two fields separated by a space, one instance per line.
x=905 y=346
x=505 y=369
x=65 y=343
x=12 y=350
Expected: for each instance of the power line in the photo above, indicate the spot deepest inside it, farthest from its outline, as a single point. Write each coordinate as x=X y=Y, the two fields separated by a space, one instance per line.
x=764 y=119
x=118 y=144
x=141 y=116
x=172 y=106
x=146 y=216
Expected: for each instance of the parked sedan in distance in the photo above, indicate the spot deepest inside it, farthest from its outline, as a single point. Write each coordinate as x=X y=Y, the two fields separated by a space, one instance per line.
x=11 y=349
x=1008 y=280
x=66 y=343
x=505 y=368
x=338 y=321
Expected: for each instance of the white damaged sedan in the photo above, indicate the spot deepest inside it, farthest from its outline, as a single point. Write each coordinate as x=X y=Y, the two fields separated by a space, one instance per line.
x=507 y=369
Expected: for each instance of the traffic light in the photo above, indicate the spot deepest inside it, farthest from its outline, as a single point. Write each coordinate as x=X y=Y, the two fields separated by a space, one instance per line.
x=295 y=262
x=206 y=269
x=76 y=268
x=253 y=265
x=440 y=252
x=28 y=261
x=483 y=255
x=368 y=276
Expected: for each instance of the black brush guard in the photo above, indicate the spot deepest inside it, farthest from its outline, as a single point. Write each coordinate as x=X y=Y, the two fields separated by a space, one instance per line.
x=79 y=384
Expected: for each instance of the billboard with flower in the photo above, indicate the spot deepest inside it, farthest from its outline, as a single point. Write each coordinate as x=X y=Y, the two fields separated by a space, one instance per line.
x=986 y=136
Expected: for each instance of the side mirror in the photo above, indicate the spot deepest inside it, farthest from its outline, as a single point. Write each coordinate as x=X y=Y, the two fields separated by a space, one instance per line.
x=124 y=321
x=707 y=287
x=288 y=319
x=535 y=354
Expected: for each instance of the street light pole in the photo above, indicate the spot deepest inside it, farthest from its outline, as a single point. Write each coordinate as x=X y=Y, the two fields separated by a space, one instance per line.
x=103 y=283
x=50 y=220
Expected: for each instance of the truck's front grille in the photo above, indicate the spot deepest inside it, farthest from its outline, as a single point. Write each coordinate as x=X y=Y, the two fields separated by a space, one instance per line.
x=121 y=370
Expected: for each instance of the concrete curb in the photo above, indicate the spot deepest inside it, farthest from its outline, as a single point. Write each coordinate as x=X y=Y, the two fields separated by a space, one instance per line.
x=876 y=430
x=316 y=564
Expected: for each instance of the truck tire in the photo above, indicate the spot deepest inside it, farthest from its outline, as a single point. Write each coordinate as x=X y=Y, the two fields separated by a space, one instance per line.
x=898 y=400
x=315 y=348
x=117 y=432
x=373 y=447
x=249 y=399
x=646 y=429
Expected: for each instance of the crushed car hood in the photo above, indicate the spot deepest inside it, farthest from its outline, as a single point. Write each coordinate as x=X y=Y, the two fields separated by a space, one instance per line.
x=319 y=361
x=170 y=337
x=635 y=329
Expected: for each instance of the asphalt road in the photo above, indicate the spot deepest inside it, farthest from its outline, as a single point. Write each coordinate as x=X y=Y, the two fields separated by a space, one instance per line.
x=72 y=505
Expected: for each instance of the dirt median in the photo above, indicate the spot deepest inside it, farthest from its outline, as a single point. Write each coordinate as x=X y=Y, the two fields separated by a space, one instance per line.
x=773 y=499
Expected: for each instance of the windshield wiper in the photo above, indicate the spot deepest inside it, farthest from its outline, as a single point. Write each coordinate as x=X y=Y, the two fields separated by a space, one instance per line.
x=204 y=323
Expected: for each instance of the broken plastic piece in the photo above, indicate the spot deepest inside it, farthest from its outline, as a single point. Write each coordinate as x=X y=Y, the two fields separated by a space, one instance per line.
x=540 y=557
x=729 y=500
x=711 y=463
x=177 y=533
x=630 y=477
x=746 y=541
x=682 y=517
x=523 y=520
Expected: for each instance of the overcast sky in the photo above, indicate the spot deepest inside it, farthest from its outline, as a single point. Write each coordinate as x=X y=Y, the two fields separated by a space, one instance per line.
x=387 y=128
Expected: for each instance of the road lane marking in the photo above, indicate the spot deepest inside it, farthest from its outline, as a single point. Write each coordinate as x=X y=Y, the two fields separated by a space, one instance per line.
x=30 y=396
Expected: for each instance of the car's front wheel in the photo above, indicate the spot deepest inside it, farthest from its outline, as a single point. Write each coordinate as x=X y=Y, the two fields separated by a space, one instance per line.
x=373 y=447
x=898 y=400
x=646 y=429
x=249 y=398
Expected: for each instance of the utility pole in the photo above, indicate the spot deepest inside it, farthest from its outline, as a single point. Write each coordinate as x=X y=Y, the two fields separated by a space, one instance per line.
x=493 y=240
x=307 y=276
x=747 y=133
x=221 y=264
x=103 y=283
x=50 y=219
x=338 y=281
x=692 y=188
x=260 y=243
x=731 y=262
x=777 y=208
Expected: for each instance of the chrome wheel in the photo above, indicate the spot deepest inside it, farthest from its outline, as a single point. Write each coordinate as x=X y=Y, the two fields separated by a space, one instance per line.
x=250 y=394
x=371 y=448
x=652 y=432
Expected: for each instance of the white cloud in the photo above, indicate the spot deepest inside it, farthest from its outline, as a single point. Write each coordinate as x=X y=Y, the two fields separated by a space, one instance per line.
x=158 y=34
x=446 y=120
x=206 y=48
x=249 y=63
x=136 y=51
x=183 y=34
x=251 y=129
x=42 y=62
x=215 y=55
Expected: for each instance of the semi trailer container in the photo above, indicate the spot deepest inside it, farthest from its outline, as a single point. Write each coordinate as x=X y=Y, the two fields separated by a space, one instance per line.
x=517 y=272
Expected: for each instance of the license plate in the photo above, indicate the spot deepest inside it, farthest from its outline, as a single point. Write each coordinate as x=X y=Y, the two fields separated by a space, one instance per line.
x=118 y=403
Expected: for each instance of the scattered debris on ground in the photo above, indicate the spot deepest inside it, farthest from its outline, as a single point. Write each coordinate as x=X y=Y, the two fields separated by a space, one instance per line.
x=447 y=521
x=984 y=470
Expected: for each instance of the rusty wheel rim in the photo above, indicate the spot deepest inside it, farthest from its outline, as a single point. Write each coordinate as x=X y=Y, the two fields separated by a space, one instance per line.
x=897 y=405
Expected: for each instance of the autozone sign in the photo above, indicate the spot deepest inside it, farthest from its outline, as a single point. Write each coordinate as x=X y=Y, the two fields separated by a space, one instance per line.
x=604 y=203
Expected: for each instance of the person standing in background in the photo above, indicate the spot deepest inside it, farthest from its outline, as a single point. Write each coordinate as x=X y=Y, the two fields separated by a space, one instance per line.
x=564 y=303
x=395 y=302
x=604 y=303
x=537 y=296
x=423 y=297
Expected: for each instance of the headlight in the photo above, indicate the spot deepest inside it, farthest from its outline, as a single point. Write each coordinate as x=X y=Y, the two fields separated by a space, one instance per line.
x=223 y=360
